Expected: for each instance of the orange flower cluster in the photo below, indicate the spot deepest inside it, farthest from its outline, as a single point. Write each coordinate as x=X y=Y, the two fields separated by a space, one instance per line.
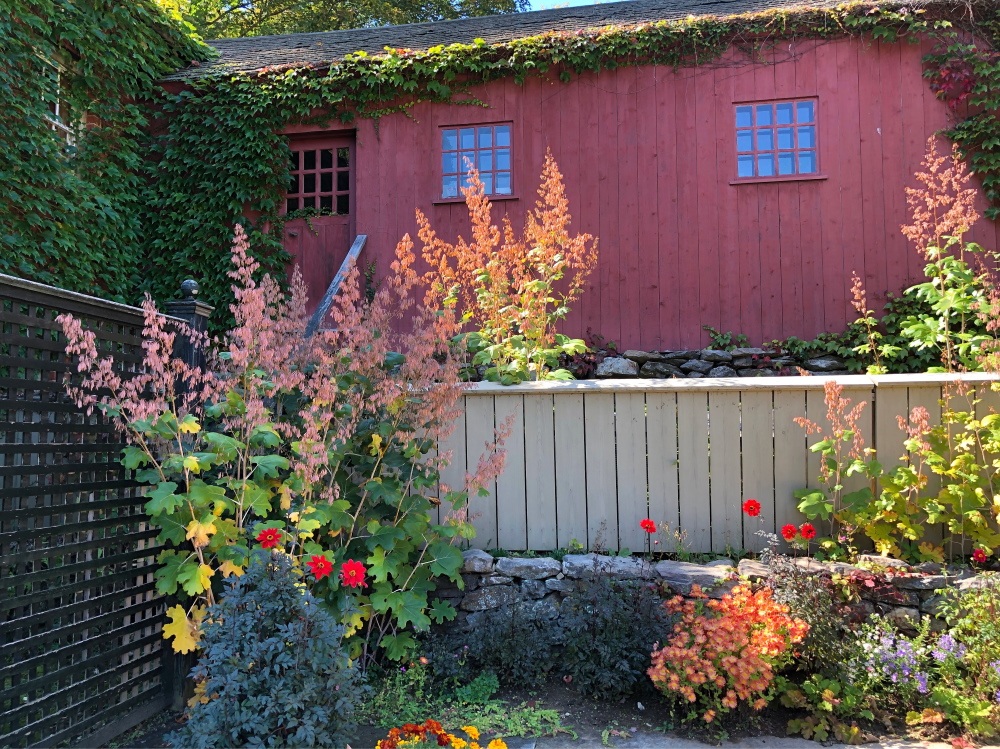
x=432 y=733
x=727 y=650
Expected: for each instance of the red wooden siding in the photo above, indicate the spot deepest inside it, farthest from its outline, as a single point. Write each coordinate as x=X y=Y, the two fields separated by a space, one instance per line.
x=648 y=155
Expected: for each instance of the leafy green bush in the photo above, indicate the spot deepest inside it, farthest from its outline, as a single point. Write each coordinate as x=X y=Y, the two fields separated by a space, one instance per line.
x=609 y=632
x=272 y=670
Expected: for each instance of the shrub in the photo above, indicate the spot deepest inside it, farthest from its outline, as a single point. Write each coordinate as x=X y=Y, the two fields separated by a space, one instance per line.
x=814 y=600
x=723 y=652
x=272 y=670
x=609 y=631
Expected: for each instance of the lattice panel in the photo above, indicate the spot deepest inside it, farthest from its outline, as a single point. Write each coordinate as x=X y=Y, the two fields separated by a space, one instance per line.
x=81 y=644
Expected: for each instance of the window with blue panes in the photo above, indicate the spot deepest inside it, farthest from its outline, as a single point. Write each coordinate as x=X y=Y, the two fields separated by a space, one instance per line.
x=485 y=147
x=776 y=139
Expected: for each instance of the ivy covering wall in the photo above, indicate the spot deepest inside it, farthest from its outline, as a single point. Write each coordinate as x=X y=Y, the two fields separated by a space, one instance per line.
x=69 y=215
x=217 y=155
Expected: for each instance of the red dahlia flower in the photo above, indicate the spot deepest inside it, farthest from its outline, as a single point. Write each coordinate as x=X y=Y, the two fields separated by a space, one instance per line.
x=979 y=556
x=789 y=531
x=352 y=574
x=320 y=566
x=269 y=538
x=751 y=507
x=807 y=531
x=648 y=525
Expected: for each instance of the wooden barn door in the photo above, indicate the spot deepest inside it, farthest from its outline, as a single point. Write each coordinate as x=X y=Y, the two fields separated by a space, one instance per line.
x=322 y=180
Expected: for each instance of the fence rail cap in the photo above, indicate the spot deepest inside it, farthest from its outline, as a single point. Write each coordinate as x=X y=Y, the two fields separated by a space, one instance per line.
x=716 y=384
x=75 y=296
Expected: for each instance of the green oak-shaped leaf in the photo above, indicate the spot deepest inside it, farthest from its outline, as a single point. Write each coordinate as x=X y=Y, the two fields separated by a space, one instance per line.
x=383 y=535
x=813 y=503
x=270 y=464
x=409 y=609
x=446 y=559
x=171 y=529
x=398 y=646
x=133 y=457
x=441 y=611
x=166 y=574
x=162 y=499
x=205 y=495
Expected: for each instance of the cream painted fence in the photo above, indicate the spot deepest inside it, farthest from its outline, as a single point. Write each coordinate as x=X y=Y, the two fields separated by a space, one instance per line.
x=589 y=460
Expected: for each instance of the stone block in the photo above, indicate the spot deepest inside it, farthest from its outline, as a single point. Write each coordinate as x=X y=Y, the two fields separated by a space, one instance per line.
x=904 y=617
x=681 y=576
x=722 y=371
x=491 y=597
x=721 y=563
x=753 y=570
x=748 y=351
x=471 y=581
x=533 y=588
x=829 y=364
x=695 y=376
x=620 y=568
x=560 y=586
x=683 y=355
x=496 y=580
x=715 y=355
x=660 y=369
x=881 y=561
x=527 y=568
x=641 y=357
x=921 y=582
x=617 y=367
x=697 y=365
x=477 y=560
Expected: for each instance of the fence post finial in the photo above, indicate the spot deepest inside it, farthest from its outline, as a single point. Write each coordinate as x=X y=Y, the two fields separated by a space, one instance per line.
x=195 y=314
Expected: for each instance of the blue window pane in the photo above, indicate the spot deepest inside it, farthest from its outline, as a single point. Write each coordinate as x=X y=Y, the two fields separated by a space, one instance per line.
x=765 y=114
x=784 y=113
x=467 y=137
x=807 y=162
x=744 y=116
x=744 y=140
x=503 y=158
x=744 y=165
x=467 y=160
x=765 y=165
x=807 y=137
x=449 y=163
x=466 y=180
x=485 y=161
x=449 y=187
x=502 y=133
x=786 y=163
x=485 y=137
x=503 y=183
x=487 y=180
x=765 y=140
x=786 y=137
x=804 y=111
x=449 y=140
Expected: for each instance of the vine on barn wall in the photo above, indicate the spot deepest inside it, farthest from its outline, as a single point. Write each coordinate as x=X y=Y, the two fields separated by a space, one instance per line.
x=69 y=212
x=154 y=211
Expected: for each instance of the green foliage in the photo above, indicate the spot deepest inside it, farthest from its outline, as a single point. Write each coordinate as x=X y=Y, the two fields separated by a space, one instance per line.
x=272 y=672
x=69 y=214
x=829 y=704
x=216 y=19
x=724 y=341
x=516 y=642
x=609 y=631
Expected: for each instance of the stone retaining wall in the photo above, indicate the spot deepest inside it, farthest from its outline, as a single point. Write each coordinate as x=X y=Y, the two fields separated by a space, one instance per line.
x=901 y=593
x=739 y=362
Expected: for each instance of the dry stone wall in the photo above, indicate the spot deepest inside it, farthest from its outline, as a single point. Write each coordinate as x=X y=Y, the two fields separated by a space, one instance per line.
x=901 y=593
x=697 y=363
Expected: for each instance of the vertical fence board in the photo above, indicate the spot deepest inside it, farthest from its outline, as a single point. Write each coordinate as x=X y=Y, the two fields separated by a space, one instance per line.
x=479 y=429
x=602 y=484
x=540 y=471
x=889 y=437
x=757 y=431
x=512 y=519
x=571 y=470
x=692 y=458
x=790 y=465
x=633 y=499
x=453 y=474
x=724 y=463
x=661 y=436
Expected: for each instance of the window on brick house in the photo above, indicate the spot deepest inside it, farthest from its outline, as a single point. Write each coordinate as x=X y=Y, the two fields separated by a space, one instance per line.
x=487 y=148
x=776 y=139
x=58 y=116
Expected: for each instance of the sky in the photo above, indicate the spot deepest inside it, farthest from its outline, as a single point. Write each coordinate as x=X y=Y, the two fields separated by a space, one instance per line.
x=545 y=4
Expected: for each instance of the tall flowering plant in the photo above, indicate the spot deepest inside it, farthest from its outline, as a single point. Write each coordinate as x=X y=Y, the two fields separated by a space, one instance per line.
x=724 y=652
x=321 y=448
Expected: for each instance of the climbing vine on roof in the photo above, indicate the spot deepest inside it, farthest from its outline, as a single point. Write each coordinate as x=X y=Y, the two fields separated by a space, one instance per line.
x=68 y=195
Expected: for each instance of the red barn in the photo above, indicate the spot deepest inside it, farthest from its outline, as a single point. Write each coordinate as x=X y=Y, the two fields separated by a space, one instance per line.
x=739 y=194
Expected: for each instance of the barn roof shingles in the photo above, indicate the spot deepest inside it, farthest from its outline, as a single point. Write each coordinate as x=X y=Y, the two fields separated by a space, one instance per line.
x=253 y=53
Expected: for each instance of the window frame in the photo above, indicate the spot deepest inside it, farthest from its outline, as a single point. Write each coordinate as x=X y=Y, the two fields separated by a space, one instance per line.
x=798 y=177
x=62 y=126
x=439 y=167
x=318 y=144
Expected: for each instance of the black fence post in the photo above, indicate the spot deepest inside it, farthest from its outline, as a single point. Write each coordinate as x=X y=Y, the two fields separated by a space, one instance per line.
x=195 y=314
x=178 y=688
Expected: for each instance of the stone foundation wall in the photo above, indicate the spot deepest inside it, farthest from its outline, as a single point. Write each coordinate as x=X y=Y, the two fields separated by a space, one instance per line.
x=739 y=362
x=901 y=593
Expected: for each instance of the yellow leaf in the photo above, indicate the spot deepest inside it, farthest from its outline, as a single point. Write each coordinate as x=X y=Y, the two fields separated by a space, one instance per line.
x=192 y=464
x=353 y=623
x=189 y=425
x=227 y=568
x=198 y=533
x=184 y=631
x=931 y=552
x=286 y=497
x=376 y=443
x=205 y=575
x=293 y=516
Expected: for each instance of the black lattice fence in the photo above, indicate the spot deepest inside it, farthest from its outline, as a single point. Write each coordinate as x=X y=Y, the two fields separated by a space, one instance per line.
x=81 y=649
